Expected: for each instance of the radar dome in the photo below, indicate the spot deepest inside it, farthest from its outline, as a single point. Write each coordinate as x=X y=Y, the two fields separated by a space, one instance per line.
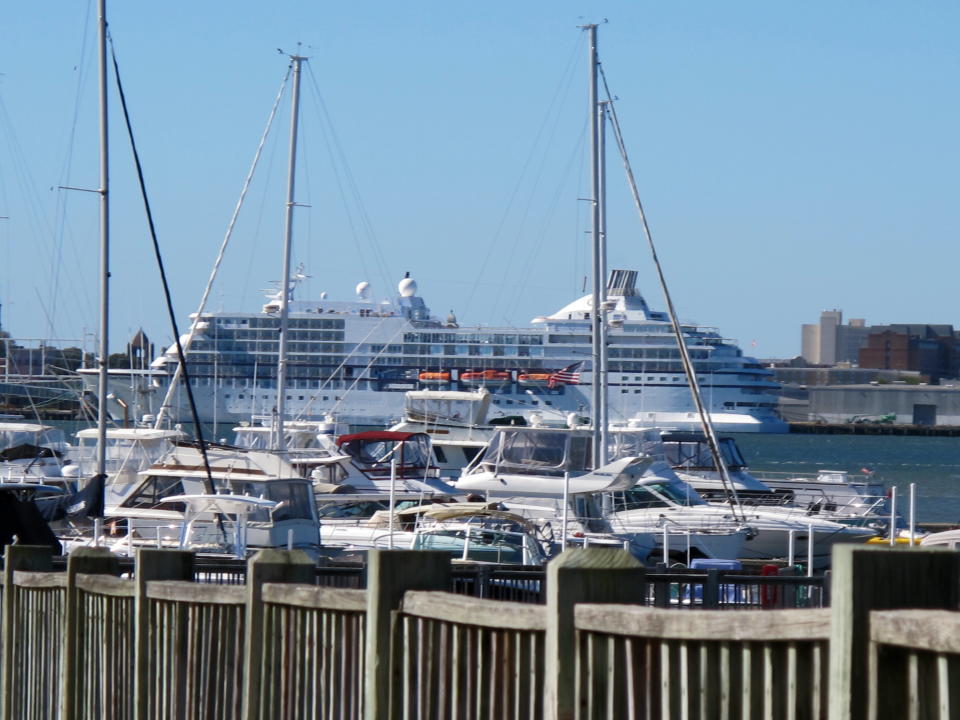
x=407 y=286
x=363 y=290
x=323 y=295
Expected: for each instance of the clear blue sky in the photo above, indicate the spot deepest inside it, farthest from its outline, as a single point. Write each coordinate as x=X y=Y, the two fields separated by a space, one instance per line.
x=792 y=157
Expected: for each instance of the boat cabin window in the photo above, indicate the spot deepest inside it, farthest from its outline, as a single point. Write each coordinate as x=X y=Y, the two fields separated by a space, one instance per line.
x=350 y=511
x=412 y=455
x=693 y=453
x=637 y=498
x=547 y=453
x=154 y=489
x=252 y=438
x=534 y=451
x=330 y=473
x=635 y=442
x=44 y=436
x=295 y=499
x=459 y=411
x=588 y=512
x=657 y=494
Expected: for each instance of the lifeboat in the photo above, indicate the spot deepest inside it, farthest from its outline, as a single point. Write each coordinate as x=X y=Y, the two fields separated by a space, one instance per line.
x=534 y=379
x=441 y=376
x=484 y=377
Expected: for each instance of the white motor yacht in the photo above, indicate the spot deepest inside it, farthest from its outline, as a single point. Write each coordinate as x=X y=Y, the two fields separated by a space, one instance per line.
x=546 y=475
x=831 y=494
x=31 y=452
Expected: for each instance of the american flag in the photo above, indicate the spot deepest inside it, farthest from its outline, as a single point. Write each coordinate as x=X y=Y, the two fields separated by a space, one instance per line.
x=570 y=375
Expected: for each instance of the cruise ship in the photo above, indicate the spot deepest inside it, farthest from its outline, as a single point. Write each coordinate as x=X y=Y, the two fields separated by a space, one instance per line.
x=352 y=362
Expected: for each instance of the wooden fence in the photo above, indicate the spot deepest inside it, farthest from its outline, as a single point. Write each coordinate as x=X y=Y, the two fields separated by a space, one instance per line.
x=105 y=640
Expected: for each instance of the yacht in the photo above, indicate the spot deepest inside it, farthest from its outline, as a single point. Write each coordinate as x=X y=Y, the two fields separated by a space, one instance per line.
x=547 y=474
x=354 y=360
x=522 y=462
x=832 y=494
x=31 y=452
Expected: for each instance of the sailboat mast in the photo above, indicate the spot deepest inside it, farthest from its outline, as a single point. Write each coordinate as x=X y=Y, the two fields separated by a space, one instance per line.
x=287 y=242
x=103 y=360
x=602 y=251
x=595 y=314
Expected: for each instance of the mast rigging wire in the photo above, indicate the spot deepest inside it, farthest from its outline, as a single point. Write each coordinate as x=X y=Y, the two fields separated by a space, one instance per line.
x=163 y=278
x=340 y=165
x=705 y=420
x=560 y=93
x=220 y=254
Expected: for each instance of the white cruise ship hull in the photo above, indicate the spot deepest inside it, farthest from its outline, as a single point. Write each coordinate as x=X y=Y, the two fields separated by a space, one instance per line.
x=355 y=360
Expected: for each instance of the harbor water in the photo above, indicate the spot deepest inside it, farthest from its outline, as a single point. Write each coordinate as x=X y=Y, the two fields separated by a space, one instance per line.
x=933 y=463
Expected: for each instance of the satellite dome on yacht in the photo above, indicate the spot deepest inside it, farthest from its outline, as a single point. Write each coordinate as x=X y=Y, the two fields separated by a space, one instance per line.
x=363 y=290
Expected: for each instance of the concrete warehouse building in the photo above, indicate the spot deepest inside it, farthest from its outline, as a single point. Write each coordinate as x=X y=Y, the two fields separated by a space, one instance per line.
x=911 y=404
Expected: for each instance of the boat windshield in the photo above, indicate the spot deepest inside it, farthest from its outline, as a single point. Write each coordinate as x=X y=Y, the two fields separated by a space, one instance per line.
x=351 y=511
x=634 y=443
x=693 y=453
x=294 y=498
x=22 y=434
x=445 y=410
x=478 y=544
x=154 y=489
x=540 y=453
x=121 y=453
x=656 y=495
x=374 y=455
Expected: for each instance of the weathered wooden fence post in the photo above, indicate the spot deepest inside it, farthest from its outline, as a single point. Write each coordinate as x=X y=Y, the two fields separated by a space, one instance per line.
x=390 y=573
x=87 y=560
x=591 y=575
x=267 y=566
x=16 y=557
x=873 y=577
x=152 y=564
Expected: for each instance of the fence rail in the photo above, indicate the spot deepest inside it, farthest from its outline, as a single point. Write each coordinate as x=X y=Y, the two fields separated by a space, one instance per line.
x=103 y=640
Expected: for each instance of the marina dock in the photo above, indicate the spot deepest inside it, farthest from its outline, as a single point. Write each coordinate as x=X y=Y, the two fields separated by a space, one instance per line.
x=173 y=636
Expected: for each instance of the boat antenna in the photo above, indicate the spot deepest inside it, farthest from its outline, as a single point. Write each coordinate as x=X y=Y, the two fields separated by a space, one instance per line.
x=163 y=278
x=705 y=420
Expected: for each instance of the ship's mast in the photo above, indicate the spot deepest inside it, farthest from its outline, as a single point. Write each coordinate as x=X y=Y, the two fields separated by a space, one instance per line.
x=602 y=251
x=596 y=315
x=103 y=360
x=287 y=241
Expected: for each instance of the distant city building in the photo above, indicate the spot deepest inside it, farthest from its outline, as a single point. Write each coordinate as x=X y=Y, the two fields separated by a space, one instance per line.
x=932 y=350
x=831 y=342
